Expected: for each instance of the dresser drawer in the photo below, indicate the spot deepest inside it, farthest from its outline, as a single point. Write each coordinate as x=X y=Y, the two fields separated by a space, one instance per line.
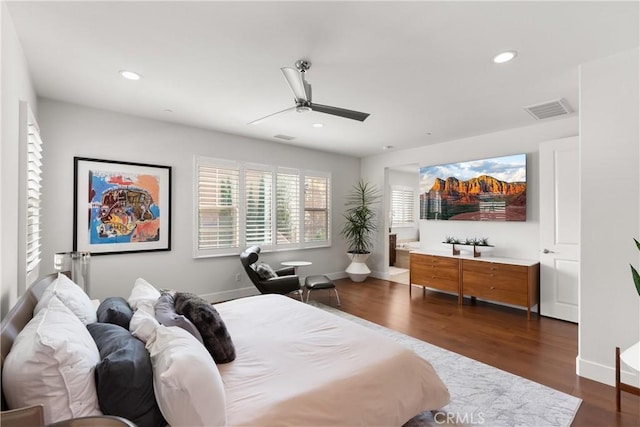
x=435 y=272
x=496 y=291
x=506 y=283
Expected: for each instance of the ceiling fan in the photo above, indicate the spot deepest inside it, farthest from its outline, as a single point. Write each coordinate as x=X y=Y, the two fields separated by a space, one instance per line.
x=302 y=96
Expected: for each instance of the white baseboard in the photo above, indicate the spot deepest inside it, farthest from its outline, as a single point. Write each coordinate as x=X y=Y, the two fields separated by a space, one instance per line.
x=606 y=374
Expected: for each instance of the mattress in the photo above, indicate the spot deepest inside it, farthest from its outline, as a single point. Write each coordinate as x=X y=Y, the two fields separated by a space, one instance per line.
x=299 y=365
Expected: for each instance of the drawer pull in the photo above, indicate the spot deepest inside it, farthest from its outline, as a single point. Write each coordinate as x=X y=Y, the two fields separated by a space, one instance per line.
x=492 y=287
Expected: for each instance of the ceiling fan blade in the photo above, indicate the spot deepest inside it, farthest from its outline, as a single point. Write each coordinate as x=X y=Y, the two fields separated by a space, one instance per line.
x=340 y=112
x=260 y=120
x=297 y=84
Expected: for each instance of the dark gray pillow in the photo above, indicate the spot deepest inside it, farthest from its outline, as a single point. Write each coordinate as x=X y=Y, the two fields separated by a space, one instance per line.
x=265 y=271
x=115 y=310
x=210 y=325
x=166 y=315
x=124 y=376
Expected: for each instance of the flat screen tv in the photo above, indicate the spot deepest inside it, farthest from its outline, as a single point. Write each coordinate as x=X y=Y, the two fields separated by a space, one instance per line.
x=479 y=190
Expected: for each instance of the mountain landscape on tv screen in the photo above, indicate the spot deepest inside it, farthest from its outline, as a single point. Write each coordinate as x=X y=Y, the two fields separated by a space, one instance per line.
x=483 y=198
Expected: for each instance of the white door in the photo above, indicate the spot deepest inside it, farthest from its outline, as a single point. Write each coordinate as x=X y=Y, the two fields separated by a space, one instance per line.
x=560 y=228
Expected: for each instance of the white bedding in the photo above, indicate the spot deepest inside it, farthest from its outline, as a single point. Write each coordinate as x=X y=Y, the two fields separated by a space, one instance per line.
x=299 y=365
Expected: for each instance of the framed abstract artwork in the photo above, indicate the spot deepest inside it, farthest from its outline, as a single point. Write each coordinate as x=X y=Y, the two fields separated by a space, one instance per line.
x=121 y=207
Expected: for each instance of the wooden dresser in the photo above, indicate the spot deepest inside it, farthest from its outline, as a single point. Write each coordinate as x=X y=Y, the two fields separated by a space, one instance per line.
x=509 y=281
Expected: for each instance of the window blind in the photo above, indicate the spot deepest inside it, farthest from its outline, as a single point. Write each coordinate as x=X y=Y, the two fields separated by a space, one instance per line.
x=33 y=186
x=316 y=208
x=218 y=196
x=258 y=205
x=402 y=206
x=287 y=208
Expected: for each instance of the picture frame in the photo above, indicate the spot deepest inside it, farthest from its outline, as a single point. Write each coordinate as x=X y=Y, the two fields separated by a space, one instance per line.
x=120 y=207
x=491 y=189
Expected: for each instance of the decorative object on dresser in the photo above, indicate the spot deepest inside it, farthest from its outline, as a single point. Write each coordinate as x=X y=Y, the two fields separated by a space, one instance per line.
x=505 y=280
x=361 y=221
x=475 y=242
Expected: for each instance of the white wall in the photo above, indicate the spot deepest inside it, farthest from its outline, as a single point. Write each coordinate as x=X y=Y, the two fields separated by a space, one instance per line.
x=15 y=87
x=409 y=180
x=512 y=239
x=71 y=130
x=610 y=205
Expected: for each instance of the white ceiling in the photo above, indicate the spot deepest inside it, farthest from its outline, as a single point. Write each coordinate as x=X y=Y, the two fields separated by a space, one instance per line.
x=416 y=67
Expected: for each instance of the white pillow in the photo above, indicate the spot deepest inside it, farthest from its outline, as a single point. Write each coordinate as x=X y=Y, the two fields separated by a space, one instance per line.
x=72 y=296
x=142 y=291
x=52 y=363
x=186 y=381
x=143 y=322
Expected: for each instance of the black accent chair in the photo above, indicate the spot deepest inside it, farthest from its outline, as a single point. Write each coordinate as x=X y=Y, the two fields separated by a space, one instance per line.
x=286 y=282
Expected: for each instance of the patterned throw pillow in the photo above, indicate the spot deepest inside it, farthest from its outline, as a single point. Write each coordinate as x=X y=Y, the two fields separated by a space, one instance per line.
x=265 y=271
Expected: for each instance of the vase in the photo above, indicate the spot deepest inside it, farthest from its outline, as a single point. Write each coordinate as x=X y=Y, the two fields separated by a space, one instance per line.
x=358 y=270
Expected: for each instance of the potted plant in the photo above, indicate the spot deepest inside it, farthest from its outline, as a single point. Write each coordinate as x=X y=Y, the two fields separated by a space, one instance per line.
x=634 y=272
x=360 y=223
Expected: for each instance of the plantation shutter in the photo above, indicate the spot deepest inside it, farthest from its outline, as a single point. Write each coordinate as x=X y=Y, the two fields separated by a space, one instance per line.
x=258 y=205
x=287 y=208
x=218 y=219
x=316 y=208
x=402 y=206
x=34 y=176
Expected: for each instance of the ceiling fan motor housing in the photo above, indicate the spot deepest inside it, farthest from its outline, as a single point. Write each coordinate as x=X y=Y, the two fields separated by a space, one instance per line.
x=302 y=65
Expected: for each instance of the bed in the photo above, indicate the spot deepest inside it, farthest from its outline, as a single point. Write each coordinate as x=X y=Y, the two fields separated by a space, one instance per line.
x=299 y=365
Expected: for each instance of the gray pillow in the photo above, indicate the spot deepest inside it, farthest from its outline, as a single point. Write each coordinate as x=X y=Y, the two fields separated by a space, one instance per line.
x=124 y=376
x=210 y=325
x=265 y=271
x=166 y=315
x=115 y=310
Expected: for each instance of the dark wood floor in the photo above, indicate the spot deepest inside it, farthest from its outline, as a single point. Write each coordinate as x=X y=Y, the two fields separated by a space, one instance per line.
x=543 y=349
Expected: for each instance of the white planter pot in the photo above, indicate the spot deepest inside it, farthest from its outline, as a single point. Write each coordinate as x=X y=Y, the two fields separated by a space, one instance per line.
x=358 y=270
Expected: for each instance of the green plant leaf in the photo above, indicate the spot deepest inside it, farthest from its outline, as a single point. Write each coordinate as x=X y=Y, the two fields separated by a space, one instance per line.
x=636 y=279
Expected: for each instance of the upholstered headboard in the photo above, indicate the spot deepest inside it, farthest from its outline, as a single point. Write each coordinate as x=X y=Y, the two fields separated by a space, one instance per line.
x=19 y=316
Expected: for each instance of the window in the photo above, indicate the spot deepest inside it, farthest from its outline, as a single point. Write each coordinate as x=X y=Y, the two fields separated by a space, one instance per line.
x=31 y=175
x=316 y=208
x=241 y=204
x=287 y=208
x=258 y=195
x=402 y=206
x=218 y=208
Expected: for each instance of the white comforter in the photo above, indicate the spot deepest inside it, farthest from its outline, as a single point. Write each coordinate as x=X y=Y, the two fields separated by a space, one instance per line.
x=301 y=366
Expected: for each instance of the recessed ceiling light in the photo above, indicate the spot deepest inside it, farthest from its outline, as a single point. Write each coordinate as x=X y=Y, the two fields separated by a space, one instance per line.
x=130 y=75
x=317 y=125
x=387 y=147
x=503 y=57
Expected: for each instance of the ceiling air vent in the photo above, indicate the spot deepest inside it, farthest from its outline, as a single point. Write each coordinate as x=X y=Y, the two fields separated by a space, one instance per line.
x=557 y=107
x=285 y=137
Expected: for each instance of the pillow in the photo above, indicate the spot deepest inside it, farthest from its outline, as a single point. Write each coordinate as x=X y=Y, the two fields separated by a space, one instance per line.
x=210 y=325
x=72 y=296
x=142 y=291
x=143 y=323
x=115 y=310
x=167 y=316
x=265 y=271
x=187 y=384
x=52 y=363
x=124 y=377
